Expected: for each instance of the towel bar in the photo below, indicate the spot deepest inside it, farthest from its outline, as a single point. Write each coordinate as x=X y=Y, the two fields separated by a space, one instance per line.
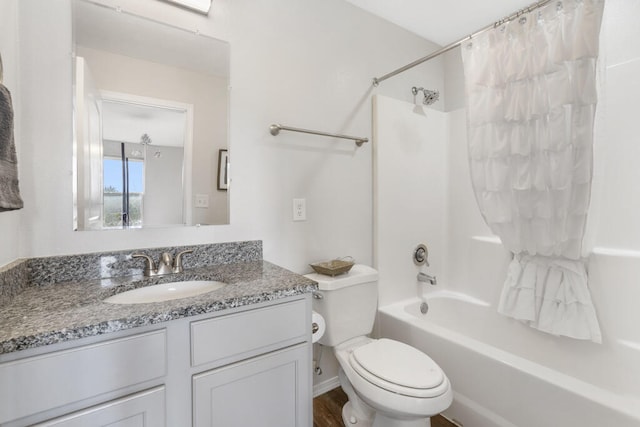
x=275 y=130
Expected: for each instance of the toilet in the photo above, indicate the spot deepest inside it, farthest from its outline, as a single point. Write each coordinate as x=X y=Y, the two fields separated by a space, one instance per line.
x=389 y=383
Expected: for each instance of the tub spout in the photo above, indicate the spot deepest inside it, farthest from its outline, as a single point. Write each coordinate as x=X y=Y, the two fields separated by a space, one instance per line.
x=427 y=278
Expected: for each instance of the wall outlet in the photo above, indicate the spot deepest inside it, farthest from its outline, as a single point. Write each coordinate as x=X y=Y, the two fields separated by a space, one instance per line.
x=202 y=201
x=299 y=209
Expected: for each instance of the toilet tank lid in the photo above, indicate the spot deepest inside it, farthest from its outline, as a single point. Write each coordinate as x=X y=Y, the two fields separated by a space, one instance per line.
x=357 y=275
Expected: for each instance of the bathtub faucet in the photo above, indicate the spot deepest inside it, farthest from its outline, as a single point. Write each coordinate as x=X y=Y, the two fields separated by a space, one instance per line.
x=426 y=278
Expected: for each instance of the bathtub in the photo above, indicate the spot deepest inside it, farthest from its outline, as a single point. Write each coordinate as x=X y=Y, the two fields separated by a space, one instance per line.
x=506 y=374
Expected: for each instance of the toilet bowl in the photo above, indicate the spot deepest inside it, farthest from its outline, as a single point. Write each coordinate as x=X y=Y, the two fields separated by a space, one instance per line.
x=400 y=385
x=388 y=383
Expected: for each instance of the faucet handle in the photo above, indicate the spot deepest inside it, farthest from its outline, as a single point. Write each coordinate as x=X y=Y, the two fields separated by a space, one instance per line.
x=420 y=255
x=165 y=258
x=164 y=265
x=177 y=262
x=149 y=267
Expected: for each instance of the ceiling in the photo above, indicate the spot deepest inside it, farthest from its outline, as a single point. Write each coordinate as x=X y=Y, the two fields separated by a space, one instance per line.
x=442 y=22
x=127 y=122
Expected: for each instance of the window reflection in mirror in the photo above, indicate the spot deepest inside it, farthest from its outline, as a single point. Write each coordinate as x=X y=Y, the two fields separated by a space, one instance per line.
x=144 y=143
x=151 y=115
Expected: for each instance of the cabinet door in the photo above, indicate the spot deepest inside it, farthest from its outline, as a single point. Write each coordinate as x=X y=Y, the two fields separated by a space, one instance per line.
x=273 y=390
x=53 y=380
x=145 y=409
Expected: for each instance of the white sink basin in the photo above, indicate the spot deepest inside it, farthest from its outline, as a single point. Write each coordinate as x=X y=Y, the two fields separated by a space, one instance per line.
x=165 y=292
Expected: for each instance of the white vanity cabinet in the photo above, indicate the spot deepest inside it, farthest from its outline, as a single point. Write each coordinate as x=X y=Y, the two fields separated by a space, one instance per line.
x=271 y=384
x=268 y=390
x=239 y=367
x=65 y=379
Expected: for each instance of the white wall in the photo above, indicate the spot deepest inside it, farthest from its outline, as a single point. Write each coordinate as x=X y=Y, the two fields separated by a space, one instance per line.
x=410 y=203
x=618 y=106
x=473 y=265
x=10 y=221
x=453 y=80
x=615 y=266
x=163 y=188
x=316 y=61
x=301 y=63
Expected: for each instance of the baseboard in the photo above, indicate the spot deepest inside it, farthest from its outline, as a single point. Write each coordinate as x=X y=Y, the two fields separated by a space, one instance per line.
x=325 y=386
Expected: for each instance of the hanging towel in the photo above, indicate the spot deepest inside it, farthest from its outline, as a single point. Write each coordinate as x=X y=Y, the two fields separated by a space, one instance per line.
x=9 y=192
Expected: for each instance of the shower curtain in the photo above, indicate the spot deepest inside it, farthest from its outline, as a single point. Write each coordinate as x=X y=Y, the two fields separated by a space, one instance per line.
x=531 y=100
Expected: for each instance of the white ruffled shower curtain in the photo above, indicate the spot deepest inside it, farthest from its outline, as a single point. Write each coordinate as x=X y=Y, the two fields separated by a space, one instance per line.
x=531 y=100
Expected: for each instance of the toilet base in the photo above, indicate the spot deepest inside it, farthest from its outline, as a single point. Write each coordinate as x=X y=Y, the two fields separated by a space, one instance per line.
x=351 y=420
x=379 y=420
x=356 y=413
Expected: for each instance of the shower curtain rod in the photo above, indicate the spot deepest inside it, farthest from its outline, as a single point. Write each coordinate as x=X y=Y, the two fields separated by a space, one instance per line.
x=275 y=130
x=447 y=48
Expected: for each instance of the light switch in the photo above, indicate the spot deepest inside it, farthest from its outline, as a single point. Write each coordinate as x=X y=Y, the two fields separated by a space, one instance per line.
x=299 y=209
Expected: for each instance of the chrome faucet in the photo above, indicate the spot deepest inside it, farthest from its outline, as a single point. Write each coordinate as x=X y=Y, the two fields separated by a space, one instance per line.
x=427 y=278
x=166 y=264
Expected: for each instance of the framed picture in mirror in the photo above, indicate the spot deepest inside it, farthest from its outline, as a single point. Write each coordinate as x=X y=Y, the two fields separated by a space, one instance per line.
x=223 y=170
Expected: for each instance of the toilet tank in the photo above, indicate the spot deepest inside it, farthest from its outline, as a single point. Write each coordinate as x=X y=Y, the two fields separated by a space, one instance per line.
x=347 y=302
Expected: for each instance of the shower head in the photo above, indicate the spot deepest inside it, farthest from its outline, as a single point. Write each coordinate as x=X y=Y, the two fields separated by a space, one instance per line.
x=430 y=96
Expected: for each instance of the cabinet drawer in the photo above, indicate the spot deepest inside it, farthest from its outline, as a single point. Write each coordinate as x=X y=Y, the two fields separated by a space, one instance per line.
x=248 y=333
x=145 y=409
x=40 y=383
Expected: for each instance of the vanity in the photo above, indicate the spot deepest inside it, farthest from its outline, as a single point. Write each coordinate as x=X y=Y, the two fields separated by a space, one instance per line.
x=236 y=356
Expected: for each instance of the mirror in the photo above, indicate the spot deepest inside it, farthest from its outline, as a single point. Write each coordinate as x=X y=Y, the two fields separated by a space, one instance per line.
x=151 y=123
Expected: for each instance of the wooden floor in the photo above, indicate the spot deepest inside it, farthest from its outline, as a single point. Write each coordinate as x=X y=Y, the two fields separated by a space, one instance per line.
x=327 y=411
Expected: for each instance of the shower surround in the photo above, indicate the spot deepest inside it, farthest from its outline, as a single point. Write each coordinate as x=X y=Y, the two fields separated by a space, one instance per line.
x=423 y=194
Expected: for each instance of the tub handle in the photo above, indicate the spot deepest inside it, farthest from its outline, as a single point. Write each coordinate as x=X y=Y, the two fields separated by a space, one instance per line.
x=420 y=255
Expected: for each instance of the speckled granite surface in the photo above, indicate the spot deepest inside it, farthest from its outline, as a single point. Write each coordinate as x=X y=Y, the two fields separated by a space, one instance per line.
x=102 y=265
x=14 y=278
x=43 y=315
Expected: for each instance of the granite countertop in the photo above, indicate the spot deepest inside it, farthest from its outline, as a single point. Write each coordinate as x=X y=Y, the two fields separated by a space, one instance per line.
x=43 y=315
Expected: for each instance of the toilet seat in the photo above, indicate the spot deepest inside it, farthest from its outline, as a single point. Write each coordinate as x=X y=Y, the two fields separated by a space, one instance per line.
x=391 y=398
x=398 y=368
